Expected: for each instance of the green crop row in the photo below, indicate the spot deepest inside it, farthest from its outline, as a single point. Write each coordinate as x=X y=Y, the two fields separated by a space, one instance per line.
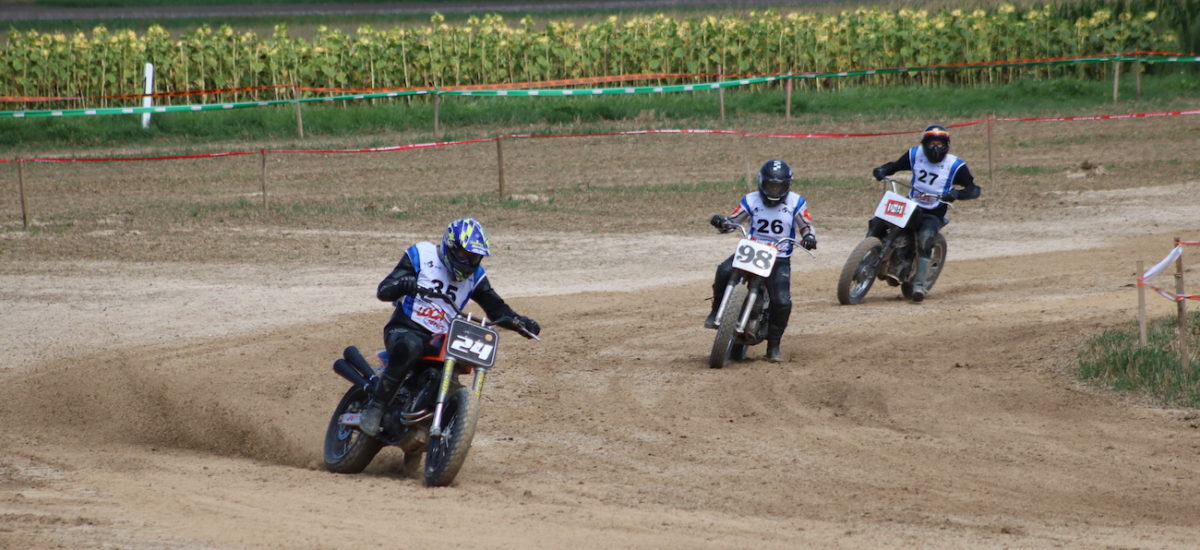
x=489 y=49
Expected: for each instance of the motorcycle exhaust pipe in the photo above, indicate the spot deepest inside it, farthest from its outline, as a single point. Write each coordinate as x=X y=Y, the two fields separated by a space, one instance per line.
x=352 y=356
x=343 y=368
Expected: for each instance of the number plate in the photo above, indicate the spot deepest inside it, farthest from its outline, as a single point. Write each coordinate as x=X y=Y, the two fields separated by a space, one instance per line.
x=472 y=343
x=754 y=257
x=895 y=209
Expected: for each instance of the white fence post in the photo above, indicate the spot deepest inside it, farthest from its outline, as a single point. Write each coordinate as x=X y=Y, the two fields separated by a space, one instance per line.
x=147 y=101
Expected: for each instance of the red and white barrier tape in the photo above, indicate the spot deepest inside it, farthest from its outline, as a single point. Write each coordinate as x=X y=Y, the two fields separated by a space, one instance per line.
x=1144 y=279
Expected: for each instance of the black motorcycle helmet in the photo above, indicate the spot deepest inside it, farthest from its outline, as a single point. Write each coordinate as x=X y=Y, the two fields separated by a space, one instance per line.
x=774 y=181
x=935 y=141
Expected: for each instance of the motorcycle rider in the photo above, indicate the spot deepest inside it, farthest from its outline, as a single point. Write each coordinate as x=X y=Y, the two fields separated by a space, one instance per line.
x=452 y=268
x=935 y=175
x=774 y=212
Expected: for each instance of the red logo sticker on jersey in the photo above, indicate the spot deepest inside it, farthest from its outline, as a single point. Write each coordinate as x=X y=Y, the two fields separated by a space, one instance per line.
x=807 y=216
x=431 y=312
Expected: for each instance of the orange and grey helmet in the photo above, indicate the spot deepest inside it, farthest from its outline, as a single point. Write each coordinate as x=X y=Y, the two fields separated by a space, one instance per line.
x=935 y=141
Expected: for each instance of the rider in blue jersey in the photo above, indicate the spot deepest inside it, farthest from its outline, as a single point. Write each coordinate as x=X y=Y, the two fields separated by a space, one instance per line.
x=774 y=212
x=452 y=268
x=937 y=178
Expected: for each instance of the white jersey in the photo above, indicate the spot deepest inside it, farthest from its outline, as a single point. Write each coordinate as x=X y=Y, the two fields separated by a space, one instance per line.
x=929 y=179
x=772 y=223
x=435 y=314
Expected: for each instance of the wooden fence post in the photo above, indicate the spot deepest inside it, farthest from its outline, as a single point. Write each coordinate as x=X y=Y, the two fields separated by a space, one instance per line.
x=299 y=114
x=500 y=164
x=1116 y=79
x=1137 y=81
x=788 y=99
x=991 y=117
x=1181 y=305
x=437 y=114
x=1141 y=288
x=721 y=91
x=21 y=190
x=262 y=175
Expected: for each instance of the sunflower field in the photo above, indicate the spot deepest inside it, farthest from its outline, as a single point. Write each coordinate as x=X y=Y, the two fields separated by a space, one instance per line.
x=104 y=63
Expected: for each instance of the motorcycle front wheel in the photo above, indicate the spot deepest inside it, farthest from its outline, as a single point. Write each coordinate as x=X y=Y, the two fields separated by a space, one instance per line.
x=347 y=449
x=858 y=274
x=447 y=452
x=723 y=346
x=937 y=261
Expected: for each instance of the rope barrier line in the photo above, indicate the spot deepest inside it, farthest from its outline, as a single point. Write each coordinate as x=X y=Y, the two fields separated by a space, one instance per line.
x=742 y=133
x=1172 y=256
x=558 y=87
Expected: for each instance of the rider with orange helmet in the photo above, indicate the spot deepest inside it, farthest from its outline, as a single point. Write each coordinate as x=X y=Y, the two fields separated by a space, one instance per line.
x=937 y=178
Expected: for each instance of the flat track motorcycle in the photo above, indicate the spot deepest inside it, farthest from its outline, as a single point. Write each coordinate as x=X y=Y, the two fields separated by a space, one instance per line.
x=745 y=306
x=432 y=413
x=893 y=258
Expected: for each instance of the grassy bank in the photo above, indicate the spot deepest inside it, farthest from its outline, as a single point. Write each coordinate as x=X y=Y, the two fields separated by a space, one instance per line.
x=1113 y=359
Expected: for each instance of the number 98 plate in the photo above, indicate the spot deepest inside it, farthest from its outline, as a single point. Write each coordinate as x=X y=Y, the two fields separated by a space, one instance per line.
x=755 y=257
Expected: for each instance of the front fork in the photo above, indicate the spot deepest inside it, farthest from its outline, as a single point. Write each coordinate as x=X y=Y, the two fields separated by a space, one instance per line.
x=751 y=299
x=444 y=391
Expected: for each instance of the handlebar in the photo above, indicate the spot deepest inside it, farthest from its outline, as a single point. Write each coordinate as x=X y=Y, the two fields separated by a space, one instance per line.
x=509 y=323
x=920 y=195
x=746 y=235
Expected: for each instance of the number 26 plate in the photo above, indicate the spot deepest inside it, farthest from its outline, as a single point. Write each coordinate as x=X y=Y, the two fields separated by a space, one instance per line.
x=755 y=257
x=472 y=343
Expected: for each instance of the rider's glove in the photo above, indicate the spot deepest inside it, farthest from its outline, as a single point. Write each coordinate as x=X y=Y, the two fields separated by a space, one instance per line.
x=809 y=242
x=950 y=196
x=879 y=173
x=530 y=325
x=717 y=221
x=406 y=285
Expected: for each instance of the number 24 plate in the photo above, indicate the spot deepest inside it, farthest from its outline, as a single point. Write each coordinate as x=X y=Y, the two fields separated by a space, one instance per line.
x=472 y=343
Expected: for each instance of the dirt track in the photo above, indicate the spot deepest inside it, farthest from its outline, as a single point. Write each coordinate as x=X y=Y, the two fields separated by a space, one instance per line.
x=150 y=401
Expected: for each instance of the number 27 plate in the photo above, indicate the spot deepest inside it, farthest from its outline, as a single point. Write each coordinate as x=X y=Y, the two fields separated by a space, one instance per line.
x=472 y=343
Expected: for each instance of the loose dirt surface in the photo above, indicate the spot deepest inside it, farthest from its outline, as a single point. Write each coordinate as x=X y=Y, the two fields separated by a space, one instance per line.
x=166 y=380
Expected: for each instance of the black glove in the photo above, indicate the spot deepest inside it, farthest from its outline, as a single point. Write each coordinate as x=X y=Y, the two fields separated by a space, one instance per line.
x=950 y=196
x=407 y=285
x=717 y=221
x=809 y=242
x=879 y=173
x=530 y=325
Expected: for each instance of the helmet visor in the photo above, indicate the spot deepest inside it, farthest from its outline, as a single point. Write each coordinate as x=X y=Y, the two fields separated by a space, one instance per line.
x=465 y=257
x=775 y=189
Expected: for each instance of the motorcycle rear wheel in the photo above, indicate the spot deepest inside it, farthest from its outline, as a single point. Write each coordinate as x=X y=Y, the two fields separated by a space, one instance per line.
x=723 y=345
x=859 y=271
x=347 y=449
x=447 y=453
x=937 y=261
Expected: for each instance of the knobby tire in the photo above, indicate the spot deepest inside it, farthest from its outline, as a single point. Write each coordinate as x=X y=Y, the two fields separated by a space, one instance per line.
x=447 y=453
x=347 y=449
x=856 y=278
x=727 y=332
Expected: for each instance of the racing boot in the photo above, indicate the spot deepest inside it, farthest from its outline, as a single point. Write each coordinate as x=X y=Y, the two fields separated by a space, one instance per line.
x=773 y=353
x=372 y=414
x=718 y=294
x=918 y=293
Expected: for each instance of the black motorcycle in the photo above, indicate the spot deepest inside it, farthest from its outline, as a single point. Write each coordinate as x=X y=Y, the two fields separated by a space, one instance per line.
x=432 y=413
x=891 y=259
x=744 y=311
